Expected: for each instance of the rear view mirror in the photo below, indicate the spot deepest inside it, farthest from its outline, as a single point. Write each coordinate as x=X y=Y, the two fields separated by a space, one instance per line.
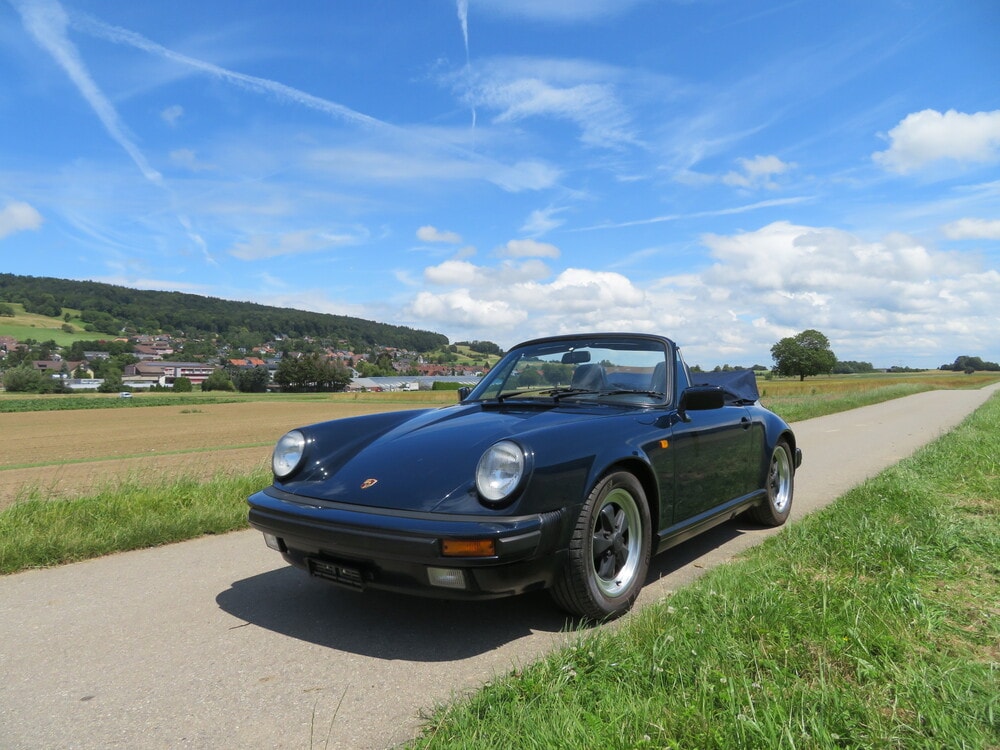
x=463 y=393
x=575 y=358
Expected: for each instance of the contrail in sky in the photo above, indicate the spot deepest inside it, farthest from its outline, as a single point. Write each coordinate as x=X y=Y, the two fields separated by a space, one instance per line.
x=46 y=21
x=463 y=18
x=118 y=35
x=462 y=6
x=699 y=214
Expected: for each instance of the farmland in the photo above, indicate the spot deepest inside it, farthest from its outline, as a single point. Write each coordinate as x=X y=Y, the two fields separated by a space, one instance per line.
x=66 y=453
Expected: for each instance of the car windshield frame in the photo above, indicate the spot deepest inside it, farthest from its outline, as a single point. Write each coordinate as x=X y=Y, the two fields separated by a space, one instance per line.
x=607 y=368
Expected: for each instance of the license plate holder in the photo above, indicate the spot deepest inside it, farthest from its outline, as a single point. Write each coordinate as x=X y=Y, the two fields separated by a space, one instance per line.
x=344 y=575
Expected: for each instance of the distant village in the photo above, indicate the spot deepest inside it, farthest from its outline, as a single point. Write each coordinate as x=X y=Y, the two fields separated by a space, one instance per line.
x=157 y=366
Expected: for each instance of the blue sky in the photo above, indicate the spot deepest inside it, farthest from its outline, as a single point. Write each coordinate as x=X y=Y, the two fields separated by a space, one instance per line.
x=723 y=172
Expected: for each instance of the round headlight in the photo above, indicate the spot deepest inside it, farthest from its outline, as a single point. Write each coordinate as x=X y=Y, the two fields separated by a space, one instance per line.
x=288 y=454
x=500 y=471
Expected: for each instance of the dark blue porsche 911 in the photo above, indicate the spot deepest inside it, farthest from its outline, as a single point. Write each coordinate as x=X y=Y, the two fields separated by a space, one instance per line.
x=574 y=459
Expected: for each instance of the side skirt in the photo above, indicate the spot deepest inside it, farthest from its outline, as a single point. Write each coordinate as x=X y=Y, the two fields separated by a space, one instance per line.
x=692 y=527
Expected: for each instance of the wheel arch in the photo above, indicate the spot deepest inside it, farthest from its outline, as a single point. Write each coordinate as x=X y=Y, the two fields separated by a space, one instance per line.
x=782 y=434
x=643 y=472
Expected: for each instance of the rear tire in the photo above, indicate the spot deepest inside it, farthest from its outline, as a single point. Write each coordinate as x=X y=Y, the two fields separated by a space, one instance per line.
x=608 y=552
x=780 y=486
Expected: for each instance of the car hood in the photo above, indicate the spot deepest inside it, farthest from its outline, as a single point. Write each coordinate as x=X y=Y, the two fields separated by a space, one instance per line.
x=421 y=461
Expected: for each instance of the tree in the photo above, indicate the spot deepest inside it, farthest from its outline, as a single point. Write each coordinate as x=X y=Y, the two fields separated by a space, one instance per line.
x=529 y=378
x=252 y=379
x=23 y=379
x=218 y=381
x=807 y=353
x=183 y=385
x=112 y=382
x=556 y=373
x=311 y=373
x=851 y=367
x=969 y=364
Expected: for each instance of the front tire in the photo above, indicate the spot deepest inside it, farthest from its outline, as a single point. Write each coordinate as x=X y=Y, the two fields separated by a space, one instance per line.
x=780 y=486
x=608 y=552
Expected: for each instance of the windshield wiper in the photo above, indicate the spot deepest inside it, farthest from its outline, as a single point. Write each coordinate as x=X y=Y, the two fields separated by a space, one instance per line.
x=623 y=391
x=558 y=393
x=555 y=393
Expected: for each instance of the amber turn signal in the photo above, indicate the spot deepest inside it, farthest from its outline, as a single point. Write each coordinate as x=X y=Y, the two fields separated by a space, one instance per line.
x=468 y=547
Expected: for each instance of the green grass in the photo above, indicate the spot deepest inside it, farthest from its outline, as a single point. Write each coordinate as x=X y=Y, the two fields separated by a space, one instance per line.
x=37 y=532
x=871 y=624
x=64 y=402
x=24 y=326
x=19 y=402
x=795 y=408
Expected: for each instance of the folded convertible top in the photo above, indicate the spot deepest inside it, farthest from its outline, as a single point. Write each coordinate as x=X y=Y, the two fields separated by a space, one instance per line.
x=738 y=385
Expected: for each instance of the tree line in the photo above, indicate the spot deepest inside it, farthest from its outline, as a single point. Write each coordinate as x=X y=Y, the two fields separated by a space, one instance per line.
x=809 y=353
x=114 y=310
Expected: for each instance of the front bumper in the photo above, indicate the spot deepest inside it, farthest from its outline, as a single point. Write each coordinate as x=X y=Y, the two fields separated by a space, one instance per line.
x=363 y=547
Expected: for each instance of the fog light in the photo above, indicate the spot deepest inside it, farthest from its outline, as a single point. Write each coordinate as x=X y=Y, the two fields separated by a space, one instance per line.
x=272 y=541
x=449 y=578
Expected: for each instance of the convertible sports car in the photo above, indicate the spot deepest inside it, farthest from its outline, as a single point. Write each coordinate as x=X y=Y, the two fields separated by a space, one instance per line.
x=569 y=464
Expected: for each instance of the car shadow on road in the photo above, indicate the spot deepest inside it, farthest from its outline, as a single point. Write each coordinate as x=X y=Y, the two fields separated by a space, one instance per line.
x=384 y=625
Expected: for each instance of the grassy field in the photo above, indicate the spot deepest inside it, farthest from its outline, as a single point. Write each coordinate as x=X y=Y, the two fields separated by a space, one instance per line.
x=797 y=400
x=154 y=438
x=24 y=326
x=874 y=623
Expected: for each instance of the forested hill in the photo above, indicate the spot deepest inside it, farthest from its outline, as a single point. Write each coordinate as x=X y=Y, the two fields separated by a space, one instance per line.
x=110 y=309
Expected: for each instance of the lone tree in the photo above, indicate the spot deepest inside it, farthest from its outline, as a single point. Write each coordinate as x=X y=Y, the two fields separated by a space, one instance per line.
x=807 y=353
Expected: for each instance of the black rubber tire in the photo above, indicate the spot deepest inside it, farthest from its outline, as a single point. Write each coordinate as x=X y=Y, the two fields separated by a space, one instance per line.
x=608 y=551
x=780 y=486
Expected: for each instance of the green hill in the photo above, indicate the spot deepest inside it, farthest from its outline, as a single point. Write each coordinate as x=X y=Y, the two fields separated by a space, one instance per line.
x=40 y=305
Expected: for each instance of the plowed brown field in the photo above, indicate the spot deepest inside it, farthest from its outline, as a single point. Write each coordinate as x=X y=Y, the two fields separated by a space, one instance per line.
x=59 y=454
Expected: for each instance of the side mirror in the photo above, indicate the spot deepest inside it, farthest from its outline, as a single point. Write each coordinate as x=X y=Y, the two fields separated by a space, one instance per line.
x=700 y=398
x=463 y=393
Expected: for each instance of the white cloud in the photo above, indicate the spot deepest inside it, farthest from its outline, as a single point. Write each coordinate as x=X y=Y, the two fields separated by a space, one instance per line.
x=529 y=249
x=187 y=159
x=464 y=273
x=431 y=234
x=542 y=221
x=757 y=172
x=394 y=166
x=461 y=308
x=580 y=92
x=926 y=137
x=18 y=217
x=454 y=273
x=263 y=245
x=884 y=301
x=973 y=229
x=172 y=114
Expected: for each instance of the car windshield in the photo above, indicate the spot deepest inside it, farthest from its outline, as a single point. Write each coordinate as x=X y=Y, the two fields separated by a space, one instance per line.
x=620 y=368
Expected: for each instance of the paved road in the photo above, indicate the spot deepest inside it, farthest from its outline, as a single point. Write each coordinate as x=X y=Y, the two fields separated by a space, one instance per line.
x=215 y=643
